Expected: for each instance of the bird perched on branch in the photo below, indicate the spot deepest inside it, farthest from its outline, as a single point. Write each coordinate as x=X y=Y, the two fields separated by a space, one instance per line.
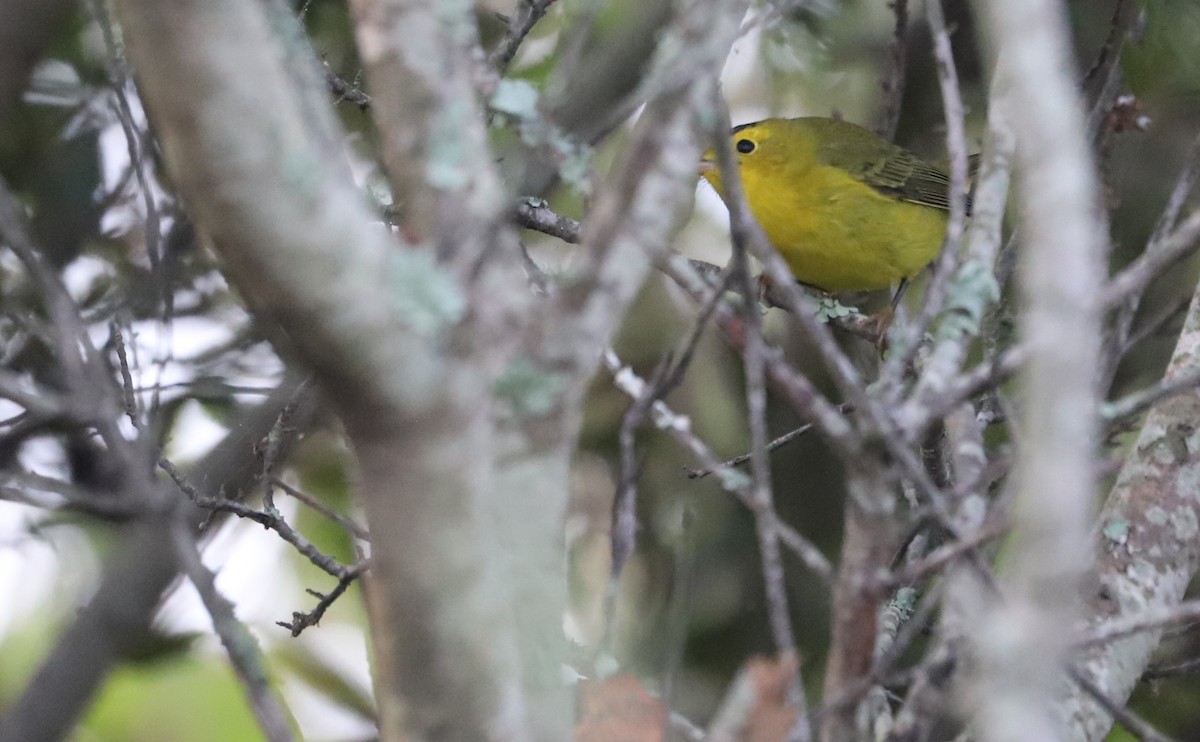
x=847 y=210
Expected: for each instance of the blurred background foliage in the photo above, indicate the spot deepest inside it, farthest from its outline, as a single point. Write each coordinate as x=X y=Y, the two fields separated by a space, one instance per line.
x=691 y=600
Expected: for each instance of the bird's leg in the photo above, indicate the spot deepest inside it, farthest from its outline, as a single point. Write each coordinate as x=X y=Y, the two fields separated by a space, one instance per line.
x=881 y=321
x=900 y=291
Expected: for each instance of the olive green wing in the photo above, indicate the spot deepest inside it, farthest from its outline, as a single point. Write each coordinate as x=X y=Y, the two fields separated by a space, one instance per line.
x=902 y=175
x=890 y=169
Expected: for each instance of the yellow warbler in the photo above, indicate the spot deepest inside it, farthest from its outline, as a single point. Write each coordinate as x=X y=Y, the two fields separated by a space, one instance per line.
x=846 y=209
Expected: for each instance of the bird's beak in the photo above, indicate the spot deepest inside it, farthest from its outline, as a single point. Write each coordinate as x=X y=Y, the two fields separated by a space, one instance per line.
x=707 y=163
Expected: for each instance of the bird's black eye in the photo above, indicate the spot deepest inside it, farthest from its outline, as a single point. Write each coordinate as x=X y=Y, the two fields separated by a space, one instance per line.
x=745 y=146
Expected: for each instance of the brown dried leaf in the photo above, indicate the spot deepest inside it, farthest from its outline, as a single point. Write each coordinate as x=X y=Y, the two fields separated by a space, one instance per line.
x=772 y=716
x=619 y=709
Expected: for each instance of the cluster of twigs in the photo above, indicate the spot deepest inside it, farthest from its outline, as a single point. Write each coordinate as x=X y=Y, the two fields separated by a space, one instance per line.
x=927 y=497
x=114 y=431
x=923 y=395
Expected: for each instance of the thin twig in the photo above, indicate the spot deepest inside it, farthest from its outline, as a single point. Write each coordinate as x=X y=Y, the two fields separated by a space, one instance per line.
x=1150 y=620
x=667 y=377
x=985 y=375
x=936 y=560
x=1133 y=723
x=624 y=516
x=36 y=399
x=1157 y=320
x=241 y=646
x=274 y=443
x=301 y=621
x=1160 y=670
x=894 y=77
x=676 y=371
x=939 y=283
x=1152 y=264
x=945 y=359
x=23 y=486
x=347 y=524
x=131 y=404
x=745 y=229
x=119 y=79
x=882 y=666
x=677 y=609
x=1143 y=399
x=1118 y=343
x=535 y=214
x=796 y=388
x=527 y=14
x=782 y=440
x=1103 y=79
x=90 y=390
x=1184 y=184
x=345 y=89
x=72 y=338
x=269 y=520
x=733 y=481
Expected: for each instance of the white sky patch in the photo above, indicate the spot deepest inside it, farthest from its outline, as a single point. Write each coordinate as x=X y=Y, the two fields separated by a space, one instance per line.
x=115 y=149
x=9 y=409
x=34 y=576
x=251 y=572
x=319 y=717
x=187 y=337
x=195 y=433
x=83 y=273
x=42 y=456
x=128 y=214
x=344 y=649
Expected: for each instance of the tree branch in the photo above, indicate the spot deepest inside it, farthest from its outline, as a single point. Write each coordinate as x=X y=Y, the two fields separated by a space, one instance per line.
x=118 y=616
x=1023 y=641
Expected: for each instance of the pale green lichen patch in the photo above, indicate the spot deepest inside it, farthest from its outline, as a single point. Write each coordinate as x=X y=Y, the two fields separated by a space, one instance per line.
x=447 y=164
x=528 y=390
x=303 y=173
x=972 y=292
x=1117 y=531
x=517 y=98
x=1184 y=525
x=574 y=169
x=1162 y=451
x=457 y=19
x=1187 y=480
x=829 y=308
x=1156 y=516
x=733 y=479
x=426 y=298
x=1142 y=578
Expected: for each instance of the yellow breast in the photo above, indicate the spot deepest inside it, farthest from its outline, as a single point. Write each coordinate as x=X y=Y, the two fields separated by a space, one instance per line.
x=839 y=234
